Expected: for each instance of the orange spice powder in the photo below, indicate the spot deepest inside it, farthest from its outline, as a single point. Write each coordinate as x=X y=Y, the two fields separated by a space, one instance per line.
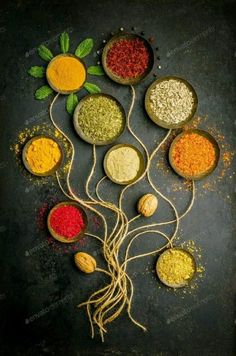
x=193 y=154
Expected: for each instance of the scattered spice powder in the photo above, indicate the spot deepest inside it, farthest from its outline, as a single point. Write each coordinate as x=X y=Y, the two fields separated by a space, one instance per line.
x=193 y=154
x=42 y=155
x=128 y=58
x=101 y=119
x=66 y=73
x=67 y=221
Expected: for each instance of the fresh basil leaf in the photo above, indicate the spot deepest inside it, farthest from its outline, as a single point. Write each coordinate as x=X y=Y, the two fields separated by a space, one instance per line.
x=71 y=103
x=64 y=42
x=84 y=48
x=92 y=88
x=96 y=70
x=45 y=53
x=43 y=92
x=37 y=72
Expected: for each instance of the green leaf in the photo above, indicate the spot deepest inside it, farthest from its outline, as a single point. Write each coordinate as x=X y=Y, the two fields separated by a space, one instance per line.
x=64 y=42
x=43 y=92
x=37 y=72
x=84 y=48
x=92 y=88
x=71 y=103
x=96 y=70
x=45 y=53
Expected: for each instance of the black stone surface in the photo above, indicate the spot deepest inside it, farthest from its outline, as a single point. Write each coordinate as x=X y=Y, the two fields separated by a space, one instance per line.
x=39 y=286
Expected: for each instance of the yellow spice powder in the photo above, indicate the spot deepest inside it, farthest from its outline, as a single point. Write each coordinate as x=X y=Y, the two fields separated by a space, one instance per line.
x=123 y=164
x=42 y=155
x=66 y=73
x=175 y=267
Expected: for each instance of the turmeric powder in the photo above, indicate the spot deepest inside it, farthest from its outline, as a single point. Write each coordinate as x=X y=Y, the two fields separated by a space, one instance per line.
x=66 y=73
x=42 y=155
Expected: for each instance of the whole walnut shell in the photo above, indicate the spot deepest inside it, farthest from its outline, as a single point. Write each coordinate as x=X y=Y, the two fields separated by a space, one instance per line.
x=85 y=262
x=147 y=205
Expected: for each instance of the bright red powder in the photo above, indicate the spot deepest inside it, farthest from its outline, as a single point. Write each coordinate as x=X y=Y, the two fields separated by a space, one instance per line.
x=67 y=221
x=128 y=58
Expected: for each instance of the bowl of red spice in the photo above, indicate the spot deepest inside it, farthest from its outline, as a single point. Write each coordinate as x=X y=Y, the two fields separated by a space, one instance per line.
x=194 y=154
x=67 y=222
x=127 y=58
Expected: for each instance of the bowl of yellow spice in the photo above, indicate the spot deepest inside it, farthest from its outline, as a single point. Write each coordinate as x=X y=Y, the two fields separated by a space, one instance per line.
x=176 y=267
x=42 y=155
x=66 y=73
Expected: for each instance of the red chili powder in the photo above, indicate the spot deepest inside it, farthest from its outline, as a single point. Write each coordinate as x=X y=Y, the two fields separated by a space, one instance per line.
x=128 y=58
x=67 y=221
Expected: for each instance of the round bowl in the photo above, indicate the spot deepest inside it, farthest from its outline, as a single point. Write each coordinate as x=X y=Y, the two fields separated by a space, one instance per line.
x=141 y=169
x=62 y=238
x=156 y=119
x=79 y=130
x=159 y=260
x=115 y=77
x=65 y=91
x=204 y=134
x=27 y=166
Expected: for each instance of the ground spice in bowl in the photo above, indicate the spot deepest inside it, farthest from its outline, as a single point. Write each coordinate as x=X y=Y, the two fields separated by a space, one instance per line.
x=123 y=164
x=127 y=58
x=175 y=267
x=42 y=155
x=194 y=154
x=66 y=73
x=67 y=222
x=171 y=102
x=99 y=119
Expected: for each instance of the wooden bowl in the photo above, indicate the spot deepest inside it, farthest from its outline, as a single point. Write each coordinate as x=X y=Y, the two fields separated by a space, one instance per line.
x=141 y=169
x=155 y=118
x=65 y=91
x=78 y=128
x=210 y=170
x=159 y=260
x=27 y=166
x=62 y=238
x=115 y=77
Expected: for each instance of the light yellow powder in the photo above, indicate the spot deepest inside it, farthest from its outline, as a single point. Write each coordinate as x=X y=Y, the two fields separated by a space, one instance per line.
x=175 y=267
x=123 y=164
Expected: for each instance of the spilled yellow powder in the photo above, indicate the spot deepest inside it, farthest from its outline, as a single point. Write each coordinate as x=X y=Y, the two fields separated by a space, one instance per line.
x=42 y=155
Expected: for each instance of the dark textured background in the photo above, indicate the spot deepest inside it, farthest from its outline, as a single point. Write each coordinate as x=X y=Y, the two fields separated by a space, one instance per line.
x=35 y=277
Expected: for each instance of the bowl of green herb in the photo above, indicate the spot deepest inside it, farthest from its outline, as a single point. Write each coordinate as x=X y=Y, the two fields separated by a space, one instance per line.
x=99 y=119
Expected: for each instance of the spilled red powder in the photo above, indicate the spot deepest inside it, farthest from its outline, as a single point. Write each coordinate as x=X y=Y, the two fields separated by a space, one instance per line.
x=128 y=58
x=67 y=221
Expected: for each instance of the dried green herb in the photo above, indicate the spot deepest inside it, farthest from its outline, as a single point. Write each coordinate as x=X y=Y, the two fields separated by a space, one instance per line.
x=64 y=42
x=45 y=53
x=43 y=92
x=84 y=48
x=95 y=70
x=92 y=88
x=37 y=72
x=101 y=119
x=71 y=103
